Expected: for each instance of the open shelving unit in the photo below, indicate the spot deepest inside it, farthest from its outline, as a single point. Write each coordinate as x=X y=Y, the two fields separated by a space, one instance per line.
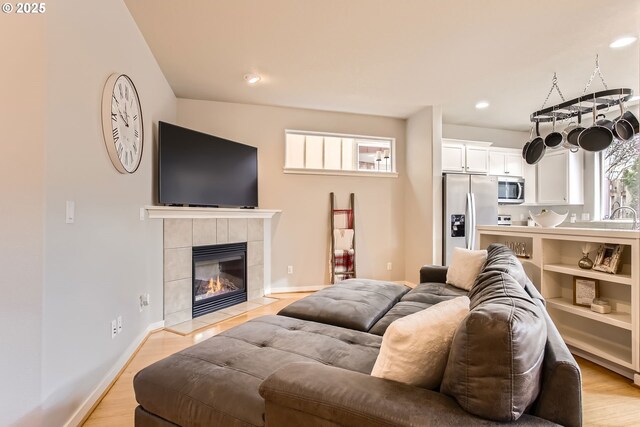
x=612 y=339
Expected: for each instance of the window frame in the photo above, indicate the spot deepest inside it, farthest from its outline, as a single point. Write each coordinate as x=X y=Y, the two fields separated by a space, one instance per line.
x=355 y=171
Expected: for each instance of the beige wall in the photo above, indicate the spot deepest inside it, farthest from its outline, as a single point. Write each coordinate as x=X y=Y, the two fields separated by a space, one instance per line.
x=301 y=232
x=96 y=268
x=22 y=120
x=499 y=137
x=422 y=205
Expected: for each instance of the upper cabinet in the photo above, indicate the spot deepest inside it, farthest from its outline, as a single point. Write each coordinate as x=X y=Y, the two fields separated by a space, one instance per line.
x=505 y=162
x=560 y=178
x=465 y=156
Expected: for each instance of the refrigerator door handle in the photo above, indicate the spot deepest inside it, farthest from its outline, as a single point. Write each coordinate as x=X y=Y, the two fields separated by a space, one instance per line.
x=472 y=238
x=469 y=222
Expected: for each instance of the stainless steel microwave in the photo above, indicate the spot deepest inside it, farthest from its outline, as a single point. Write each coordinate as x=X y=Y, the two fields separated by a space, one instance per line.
x=510 y=190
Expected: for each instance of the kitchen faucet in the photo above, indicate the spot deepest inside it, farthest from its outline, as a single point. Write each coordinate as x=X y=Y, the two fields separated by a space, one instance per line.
x=633 y=211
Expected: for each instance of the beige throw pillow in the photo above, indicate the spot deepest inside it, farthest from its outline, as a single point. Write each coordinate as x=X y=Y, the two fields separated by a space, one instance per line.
x=415 y=348
x=465 y=267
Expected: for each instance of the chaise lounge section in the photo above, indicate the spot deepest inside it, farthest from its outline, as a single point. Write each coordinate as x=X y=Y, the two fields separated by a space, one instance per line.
x=310 y=364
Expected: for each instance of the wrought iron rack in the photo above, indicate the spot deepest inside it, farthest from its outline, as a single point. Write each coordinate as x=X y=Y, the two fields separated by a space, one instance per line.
x=584 y=104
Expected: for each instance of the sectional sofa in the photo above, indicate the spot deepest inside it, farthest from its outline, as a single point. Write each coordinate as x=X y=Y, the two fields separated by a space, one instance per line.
x=310 y=365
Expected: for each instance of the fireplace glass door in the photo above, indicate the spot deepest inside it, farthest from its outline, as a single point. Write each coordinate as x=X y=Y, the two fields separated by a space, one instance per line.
x=219 y=277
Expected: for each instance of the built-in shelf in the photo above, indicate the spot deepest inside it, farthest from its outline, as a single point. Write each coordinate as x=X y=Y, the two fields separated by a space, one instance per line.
x=190 y=212
x=611 y=339
x=623 y=279
x=609 y=350
x=618 y=319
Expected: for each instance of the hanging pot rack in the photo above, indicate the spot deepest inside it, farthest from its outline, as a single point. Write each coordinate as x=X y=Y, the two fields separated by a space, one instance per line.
x=568 y=109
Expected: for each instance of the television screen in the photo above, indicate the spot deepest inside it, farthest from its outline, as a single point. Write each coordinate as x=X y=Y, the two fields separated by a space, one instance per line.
x=197 y=169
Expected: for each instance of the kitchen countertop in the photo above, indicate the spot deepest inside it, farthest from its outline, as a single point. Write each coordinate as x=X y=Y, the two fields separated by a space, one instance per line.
x=571 y=231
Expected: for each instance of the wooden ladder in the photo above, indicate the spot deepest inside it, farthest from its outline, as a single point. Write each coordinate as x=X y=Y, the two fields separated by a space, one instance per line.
x=349 y=273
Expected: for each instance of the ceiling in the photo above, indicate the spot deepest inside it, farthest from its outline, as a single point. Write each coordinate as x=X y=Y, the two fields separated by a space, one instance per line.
x=391 y=58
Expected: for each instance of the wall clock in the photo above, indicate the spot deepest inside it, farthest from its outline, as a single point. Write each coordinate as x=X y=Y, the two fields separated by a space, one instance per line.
x=122 y=123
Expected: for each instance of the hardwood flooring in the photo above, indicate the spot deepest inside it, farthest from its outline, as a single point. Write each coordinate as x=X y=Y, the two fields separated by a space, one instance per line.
x=608 y=398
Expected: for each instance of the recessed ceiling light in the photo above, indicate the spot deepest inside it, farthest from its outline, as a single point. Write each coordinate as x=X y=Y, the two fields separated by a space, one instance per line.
x=622 y=42
x=252 y=78
x=482 y=104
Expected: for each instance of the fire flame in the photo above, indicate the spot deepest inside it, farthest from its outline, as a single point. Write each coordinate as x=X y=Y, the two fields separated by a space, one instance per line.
x=214 y=285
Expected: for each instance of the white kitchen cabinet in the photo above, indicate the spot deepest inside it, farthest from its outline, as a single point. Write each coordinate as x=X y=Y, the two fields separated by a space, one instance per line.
x=560 y=178
x=465 y=156
x=505 y=162
x=453 y=158
x=530 y=181
x=477 y=159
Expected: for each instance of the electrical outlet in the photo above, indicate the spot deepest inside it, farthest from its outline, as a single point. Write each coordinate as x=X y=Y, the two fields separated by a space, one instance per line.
x=119 y=324
x=70 y=214
x=290 y=269
x=143 y=214
x=145 y=300
x=389 y=266
x=114 y=328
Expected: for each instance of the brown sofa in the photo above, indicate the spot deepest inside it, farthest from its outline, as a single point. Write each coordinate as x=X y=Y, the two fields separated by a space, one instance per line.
x=310 y=364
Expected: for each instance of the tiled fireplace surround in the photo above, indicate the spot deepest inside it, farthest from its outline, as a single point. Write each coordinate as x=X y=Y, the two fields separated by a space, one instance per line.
x=182 y=234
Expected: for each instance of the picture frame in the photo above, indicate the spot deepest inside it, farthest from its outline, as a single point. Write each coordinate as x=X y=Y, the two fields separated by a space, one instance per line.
x=585 y=291
x=608 y=258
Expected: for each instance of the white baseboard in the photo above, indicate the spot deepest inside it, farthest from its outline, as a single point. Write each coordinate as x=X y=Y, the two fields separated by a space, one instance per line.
x=289 y=289
x=86 y=406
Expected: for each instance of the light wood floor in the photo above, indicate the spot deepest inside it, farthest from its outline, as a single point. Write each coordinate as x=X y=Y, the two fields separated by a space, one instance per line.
x=608 y=399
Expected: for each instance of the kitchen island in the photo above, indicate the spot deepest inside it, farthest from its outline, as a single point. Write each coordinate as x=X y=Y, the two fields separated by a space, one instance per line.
x=550 y=258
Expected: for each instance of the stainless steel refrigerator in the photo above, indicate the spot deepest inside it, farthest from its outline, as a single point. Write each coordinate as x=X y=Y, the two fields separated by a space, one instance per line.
x=468 y=201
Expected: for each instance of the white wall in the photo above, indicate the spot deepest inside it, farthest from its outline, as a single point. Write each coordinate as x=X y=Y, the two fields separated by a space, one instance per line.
x=301 y=232
x=96 y=268
x=421 y=211
x=499 y=137
x=22 y=78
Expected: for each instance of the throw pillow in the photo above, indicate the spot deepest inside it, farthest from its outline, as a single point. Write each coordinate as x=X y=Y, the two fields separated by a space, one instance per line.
x=465 y=267
x=415 y=348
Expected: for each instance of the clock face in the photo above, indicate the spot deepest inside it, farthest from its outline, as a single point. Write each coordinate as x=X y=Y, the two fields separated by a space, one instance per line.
x=122 y=123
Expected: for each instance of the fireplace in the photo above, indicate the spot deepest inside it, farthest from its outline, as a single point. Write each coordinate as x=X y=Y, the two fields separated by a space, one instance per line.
x=219 y=277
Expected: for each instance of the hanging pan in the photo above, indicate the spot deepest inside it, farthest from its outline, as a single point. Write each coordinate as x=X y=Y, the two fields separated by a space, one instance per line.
x=597 y=137
x=622 y=128
x=554 y=139
x=536 y=148
x=574 y=133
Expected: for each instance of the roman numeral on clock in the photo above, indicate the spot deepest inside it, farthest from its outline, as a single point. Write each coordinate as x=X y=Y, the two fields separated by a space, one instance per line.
x=135 y=117
x=115 y=99
x=135 y=132
x=114 y=117
x=116 y=135
x=120 y=150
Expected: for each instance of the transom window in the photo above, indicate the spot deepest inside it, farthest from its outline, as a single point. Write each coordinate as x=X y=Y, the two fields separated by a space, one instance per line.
x=335 y=154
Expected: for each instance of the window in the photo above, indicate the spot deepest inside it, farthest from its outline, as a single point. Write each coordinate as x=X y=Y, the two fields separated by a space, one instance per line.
x=620 y=173
x=338 y=154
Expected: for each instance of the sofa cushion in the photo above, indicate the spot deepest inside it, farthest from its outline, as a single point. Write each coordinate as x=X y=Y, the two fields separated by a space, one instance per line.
x=465 y=267
x=502 y=259
x=216 y=382
x=415 y=348
x=422 y=296
x=495 y=363
x=354 y=304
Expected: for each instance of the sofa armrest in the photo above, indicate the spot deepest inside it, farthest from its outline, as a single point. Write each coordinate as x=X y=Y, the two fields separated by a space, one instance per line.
x=319 y=395
x=433 y=274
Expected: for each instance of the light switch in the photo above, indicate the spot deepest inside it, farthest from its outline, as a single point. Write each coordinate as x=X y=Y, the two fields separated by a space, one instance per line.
x=71 y=212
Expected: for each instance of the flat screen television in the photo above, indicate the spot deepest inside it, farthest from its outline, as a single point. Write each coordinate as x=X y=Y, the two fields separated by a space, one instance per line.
x=198 y=169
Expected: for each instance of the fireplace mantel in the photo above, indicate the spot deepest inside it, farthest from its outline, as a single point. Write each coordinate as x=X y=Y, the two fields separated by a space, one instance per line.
x=191 y=213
